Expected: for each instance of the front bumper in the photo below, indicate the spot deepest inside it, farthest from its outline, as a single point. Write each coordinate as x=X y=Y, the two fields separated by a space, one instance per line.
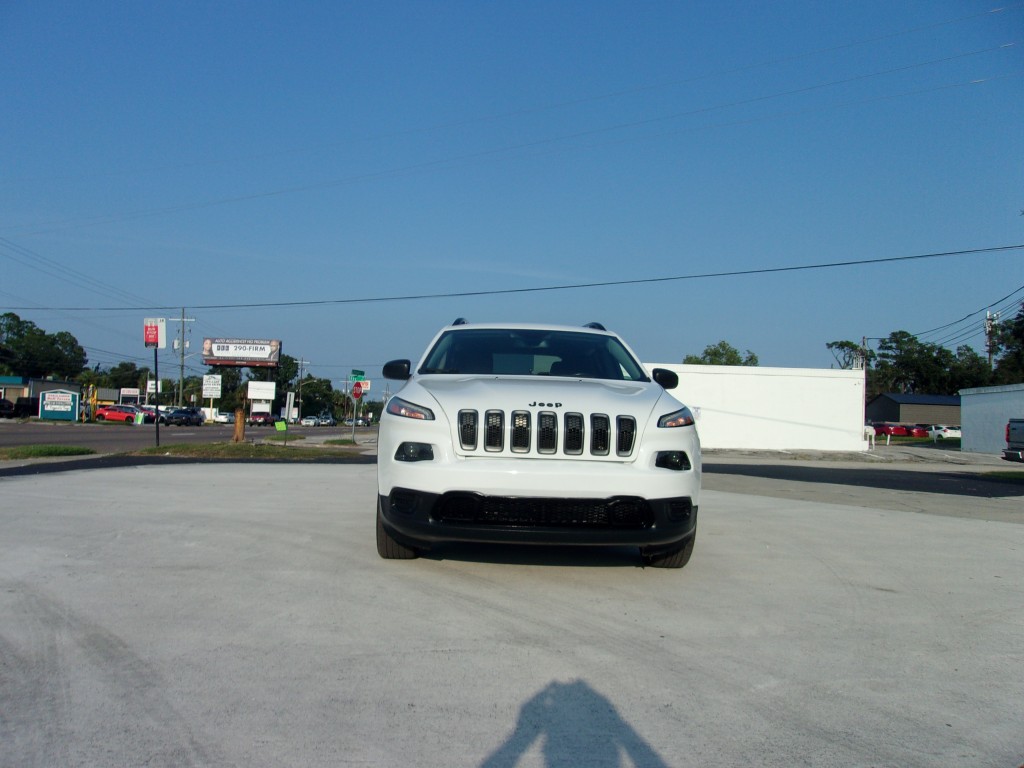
x=422 y=517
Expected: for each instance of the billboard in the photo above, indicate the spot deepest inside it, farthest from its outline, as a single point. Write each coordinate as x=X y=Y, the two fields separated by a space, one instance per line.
x=247 y=353
x=262 y=390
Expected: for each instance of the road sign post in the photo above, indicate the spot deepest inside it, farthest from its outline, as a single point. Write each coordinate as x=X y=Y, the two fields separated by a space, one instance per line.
x=154 y=334
x=357 y=392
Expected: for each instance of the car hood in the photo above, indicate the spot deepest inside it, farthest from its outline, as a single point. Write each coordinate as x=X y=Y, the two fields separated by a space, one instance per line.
x=563 y=395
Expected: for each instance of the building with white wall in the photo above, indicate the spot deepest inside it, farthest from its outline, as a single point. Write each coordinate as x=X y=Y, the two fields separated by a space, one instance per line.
x=984 y=412
x=784 y=409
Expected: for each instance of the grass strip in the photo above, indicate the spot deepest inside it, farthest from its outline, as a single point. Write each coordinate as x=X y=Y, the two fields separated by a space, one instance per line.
x=43 y=451
x=242 y=451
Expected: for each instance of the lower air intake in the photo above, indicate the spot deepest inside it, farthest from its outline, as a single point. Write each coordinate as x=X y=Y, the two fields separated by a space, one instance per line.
x=619 y=512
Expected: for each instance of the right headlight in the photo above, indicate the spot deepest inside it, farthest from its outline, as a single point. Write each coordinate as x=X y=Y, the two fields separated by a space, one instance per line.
x=681 y=418
x=399 y=407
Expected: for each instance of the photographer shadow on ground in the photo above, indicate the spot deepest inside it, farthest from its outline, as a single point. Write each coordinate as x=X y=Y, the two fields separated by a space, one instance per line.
x=575 y=725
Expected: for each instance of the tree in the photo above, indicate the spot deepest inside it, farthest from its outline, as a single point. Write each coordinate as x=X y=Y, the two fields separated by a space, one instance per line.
x=70 y=357
x=32 y=352
x=969 y=369
x=317 y=396
x=124 y=374
x=904 y=364
x=721 y=353
x=1010 y=343
x=849 y=354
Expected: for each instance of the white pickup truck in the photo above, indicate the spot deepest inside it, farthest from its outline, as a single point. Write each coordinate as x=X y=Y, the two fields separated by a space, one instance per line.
x=1014 y=440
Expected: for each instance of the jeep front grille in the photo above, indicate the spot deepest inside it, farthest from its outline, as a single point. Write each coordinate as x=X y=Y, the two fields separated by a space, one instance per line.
x=547 y=434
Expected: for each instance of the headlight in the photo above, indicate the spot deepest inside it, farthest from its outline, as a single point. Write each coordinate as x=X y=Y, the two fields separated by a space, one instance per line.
x=681 y=418
x=399 y=407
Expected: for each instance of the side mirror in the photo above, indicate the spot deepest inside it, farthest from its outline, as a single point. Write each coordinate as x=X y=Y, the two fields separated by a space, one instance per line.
x=397 y=369
x=665 y=377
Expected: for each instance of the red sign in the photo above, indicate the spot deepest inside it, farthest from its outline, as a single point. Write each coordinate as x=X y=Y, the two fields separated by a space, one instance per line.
x=357 y=390
x=152 y=335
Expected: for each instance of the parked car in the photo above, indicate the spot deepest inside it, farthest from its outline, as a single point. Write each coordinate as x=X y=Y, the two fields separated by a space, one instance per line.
x=183 y=417
x=260 y=419
x=123 y=413
x=917 y=430
x=148 y=413
x=309 y=421
x=26 y=407
x=894 y=430
x=6 y=409
x=326 y=421
x=224 y=417
x=942 y=432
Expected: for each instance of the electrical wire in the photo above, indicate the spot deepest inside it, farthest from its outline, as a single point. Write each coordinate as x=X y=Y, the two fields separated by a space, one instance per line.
x=565 y=287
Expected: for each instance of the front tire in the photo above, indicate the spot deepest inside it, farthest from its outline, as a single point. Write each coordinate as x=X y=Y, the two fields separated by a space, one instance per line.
x=388 y=546
x=672 y=558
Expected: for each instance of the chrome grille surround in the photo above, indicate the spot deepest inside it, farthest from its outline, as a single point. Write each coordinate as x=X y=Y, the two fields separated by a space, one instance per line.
x=543 y=434
x=494 y=434
x=600 y=427
x=575 y=434
x=625 y=428
x=520 y=438
x=547 y=432
x=467 y=430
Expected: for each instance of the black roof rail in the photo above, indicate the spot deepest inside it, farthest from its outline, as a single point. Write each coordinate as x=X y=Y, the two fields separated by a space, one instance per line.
x=595 y=326
x=459 y=321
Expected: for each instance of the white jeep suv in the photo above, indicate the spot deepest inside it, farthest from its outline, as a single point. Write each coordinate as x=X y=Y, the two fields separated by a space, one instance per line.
x=536 y=434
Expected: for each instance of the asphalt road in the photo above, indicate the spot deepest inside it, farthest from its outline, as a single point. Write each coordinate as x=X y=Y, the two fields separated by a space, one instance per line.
x=238 y=615
x=119 y=438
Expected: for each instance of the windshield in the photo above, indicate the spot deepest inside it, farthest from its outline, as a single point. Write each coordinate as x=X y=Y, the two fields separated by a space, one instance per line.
x=518 y=352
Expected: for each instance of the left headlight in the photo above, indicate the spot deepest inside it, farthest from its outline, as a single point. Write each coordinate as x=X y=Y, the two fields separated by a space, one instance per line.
x=681 y=418
x=399 y=407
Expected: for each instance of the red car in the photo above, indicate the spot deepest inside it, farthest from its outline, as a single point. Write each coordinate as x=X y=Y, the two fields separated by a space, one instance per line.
x=896 y=430
x=917 y=431
x=122 y=413
x=260 y=419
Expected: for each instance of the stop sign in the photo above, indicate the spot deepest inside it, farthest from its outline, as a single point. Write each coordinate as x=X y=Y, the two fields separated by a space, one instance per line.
x=357 y=390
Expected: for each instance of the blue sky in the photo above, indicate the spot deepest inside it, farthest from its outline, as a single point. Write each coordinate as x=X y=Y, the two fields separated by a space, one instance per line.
x=209 y=155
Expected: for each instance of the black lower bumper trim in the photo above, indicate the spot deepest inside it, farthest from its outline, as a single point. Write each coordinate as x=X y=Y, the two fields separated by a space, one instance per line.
x=467 y=516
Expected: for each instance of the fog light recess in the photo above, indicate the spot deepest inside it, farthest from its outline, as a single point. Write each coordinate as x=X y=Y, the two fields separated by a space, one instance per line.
x=675 y=460
x=414 y=452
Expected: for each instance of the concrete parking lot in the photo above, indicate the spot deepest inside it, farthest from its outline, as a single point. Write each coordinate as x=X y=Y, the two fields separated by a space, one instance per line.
x=238 y=615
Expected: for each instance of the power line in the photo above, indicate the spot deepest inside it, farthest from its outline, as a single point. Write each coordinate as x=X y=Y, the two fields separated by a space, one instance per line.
x=541 y=289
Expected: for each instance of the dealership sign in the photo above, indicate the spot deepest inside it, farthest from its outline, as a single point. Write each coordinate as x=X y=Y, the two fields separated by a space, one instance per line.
x=60 y=404
x=211 y=386
x=248 y=353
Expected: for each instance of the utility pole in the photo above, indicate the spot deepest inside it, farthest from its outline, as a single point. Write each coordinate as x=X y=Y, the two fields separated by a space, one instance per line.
x=302 y=363
x=181 y=348
x=991 y=321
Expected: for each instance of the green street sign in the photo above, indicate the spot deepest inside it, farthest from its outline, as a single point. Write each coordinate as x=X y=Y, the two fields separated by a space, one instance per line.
x=358 y=375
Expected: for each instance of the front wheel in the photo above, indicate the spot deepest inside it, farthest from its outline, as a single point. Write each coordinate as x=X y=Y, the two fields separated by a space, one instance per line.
x=388 y=546
x=672 y=558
